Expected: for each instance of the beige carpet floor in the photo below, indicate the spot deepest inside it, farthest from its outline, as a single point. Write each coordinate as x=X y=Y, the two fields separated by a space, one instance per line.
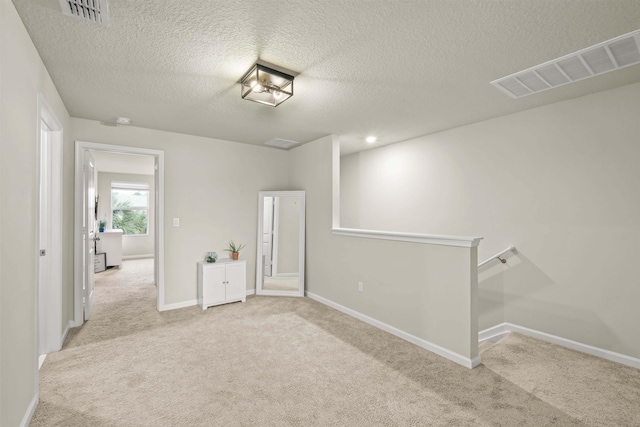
x=294 y=362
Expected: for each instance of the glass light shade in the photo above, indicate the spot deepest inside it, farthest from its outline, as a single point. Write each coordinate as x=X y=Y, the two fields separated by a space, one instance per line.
x=266 y=86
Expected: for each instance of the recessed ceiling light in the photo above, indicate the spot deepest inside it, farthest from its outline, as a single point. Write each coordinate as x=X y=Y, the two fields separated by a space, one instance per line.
x=123 y=120
x=371 y=139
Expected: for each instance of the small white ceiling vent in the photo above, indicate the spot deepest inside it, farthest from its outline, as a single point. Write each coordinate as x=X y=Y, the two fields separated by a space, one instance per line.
x=285 y=144
x=94 y=11
x=607 y=56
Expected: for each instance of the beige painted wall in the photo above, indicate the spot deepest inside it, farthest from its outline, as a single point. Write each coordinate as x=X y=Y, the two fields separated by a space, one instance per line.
x=131 y=245
x=423 y=290
x=211 y=185
x=288 y=235
x=22 y=76
x=559 y=182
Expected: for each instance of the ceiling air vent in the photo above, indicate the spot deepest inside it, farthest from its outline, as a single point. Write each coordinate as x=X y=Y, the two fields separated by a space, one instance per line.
x=607 y=56
x=285 y=144
x=94 y=11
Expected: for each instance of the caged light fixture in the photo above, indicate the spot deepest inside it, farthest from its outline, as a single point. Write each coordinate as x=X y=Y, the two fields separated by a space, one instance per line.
x=266 y=85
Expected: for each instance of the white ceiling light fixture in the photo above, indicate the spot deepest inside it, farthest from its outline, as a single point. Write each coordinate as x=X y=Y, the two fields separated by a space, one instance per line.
x=601 y=58
x=266 y=85
x=123 y=120
x=94 y=11
x=371 y=139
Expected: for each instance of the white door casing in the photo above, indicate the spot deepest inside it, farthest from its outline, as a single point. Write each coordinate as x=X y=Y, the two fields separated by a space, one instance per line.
x=90 y=235
x=156 y=215
x=79 y=207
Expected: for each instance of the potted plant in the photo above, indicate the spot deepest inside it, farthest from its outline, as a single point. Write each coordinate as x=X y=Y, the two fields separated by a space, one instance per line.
x=101 y=225
x=234 y=249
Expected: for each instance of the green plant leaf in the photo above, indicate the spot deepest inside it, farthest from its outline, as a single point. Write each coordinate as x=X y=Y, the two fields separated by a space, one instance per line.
x=233 y=247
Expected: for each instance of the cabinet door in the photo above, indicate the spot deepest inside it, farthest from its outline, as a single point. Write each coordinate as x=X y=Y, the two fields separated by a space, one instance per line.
x=213 y=291
x=236 y=281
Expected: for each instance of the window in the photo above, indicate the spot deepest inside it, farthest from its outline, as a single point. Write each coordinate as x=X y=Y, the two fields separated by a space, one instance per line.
x=130 y=207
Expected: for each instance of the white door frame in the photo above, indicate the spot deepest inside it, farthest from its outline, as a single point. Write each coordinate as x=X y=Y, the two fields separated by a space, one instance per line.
x=49 y=337
x=80 y=148
x=89 y=231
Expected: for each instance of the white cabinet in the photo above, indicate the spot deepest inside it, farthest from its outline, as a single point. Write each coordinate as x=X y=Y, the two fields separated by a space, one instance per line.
x=221 y=282
x=99 y=262
x=110 y=243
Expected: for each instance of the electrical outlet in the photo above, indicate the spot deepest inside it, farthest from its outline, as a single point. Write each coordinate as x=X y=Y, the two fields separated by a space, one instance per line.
x=360 y=286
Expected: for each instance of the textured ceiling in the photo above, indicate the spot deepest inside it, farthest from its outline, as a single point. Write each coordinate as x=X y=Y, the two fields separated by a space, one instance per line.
x=396 y=69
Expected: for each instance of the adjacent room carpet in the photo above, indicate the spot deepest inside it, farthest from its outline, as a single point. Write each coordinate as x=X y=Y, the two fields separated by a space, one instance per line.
x=276 y=361
x=280 y=283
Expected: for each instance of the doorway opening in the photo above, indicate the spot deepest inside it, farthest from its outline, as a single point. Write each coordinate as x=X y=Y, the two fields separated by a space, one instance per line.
x=125 y=244
x=126 y=213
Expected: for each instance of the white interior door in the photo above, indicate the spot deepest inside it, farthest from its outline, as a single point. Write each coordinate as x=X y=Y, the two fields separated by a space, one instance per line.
x=267 y=235
x=89 y=228
x=49 y=295
x=44 y=265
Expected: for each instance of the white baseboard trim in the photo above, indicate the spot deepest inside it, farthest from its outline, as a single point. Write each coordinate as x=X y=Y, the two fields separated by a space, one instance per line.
x=506 y=327
x=137 y=256
x=434 y=348
x=31 y=409
x=42 y=357
x=177 y=305
x=493 y=332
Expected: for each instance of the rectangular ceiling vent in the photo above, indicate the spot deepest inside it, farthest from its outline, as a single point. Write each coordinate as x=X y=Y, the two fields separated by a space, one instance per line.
x=607 y=56
x=285 y=144
x=94 y=11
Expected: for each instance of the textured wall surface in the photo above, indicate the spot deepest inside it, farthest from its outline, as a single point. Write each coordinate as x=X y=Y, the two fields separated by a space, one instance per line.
x=424 y=290
x=559 y=182
x=211 y=185
x=23 y=76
